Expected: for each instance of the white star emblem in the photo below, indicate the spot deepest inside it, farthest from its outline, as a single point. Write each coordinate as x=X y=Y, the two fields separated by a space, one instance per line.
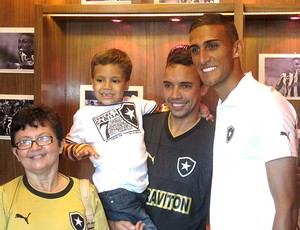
x=185 y=166
x=78 y=221
x=130 y=113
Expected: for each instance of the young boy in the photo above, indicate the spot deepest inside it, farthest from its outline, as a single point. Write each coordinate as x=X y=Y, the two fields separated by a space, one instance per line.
x=112 y=135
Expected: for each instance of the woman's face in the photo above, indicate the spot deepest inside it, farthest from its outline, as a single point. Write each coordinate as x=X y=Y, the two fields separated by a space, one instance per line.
x=38 y=159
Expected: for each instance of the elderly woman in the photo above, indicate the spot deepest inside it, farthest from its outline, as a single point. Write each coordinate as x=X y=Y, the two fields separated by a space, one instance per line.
x=43 y=198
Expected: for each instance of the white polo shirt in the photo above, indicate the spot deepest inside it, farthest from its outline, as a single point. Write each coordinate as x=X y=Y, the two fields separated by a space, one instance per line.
x=254 y=125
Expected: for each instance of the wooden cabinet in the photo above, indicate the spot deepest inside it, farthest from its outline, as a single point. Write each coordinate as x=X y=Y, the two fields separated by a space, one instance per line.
x=67 y=37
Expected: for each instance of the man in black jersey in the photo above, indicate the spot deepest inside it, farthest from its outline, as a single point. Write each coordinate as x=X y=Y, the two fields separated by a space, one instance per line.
x=179 y=146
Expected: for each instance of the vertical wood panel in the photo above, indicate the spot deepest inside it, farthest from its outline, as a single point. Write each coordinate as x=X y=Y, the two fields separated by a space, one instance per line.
x=9 y=166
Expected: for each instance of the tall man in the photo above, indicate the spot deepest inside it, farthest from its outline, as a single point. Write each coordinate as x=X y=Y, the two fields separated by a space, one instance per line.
x=255 y=147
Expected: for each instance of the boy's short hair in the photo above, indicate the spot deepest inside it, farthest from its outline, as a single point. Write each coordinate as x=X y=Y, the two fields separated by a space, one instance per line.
x=36 y=116
x=217 y=19
x=113 y=56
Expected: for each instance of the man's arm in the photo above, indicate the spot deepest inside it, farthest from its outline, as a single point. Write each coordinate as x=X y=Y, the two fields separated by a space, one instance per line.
x=282 y=181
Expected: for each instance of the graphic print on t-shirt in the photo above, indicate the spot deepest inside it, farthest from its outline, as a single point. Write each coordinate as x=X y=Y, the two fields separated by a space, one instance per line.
x=117 y=122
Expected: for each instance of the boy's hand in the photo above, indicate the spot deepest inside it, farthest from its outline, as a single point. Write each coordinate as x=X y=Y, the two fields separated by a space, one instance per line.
x=86 y=151
x=205 y=113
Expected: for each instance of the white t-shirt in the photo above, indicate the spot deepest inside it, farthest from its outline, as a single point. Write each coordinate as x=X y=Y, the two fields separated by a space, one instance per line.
x=254 y=125
x=116 y=132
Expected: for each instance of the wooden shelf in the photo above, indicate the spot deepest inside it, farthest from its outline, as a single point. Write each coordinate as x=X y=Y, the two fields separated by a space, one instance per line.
x=133 y=12
x=138 y=8
x=271 y=11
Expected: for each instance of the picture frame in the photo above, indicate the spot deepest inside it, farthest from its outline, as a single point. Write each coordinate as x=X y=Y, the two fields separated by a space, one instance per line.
x=186 y=1
x=89 y=2
x=15 y=56
x=87 y=97
x=281 y=71
x=9 y=105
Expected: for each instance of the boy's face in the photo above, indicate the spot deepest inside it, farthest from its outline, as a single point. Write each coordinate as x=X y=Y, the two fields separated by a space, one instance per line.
x=109 y=83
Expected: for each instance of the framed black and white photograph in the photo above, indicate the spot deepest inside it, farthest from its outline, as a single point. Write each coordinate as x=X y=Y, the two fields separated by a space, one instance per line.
x=16 y=50
x=87 y=97
x=9 y=105
x=105 y=1
x=186 y=1
x=282 y=71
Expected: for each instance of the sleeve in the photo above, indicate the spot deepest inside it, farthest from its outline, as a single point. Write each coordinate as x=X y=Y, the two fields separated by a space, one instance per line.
x=279 y=125
x=70 y=150
x=75 y=138
x=147 y=106
x=100 y=217
x=78 y=129
x=3 y=221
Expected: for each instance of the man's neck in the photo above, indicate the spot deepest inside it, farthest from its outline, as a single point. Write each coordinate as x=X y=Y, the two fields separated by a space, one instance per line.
x=179 y=126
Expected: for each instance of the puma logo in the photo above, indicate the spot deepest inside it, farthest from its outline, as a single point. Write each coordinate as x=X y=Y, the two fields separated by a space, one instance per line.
x=282 y=133
x=151 y=157
x=22 y=217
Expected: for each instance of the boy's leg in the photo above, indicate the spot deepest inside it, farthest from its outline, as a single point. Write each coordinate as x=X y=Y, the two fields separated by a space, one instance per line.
x=121 y=204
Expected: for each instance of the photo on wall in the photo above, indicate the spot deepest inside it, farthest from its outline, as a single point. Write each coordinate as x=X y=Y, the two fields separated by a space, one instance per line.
x=16 y=50
x=186 y=1
x=282 y=71
x=87 y=97
x=84 y=2
x=9 y=105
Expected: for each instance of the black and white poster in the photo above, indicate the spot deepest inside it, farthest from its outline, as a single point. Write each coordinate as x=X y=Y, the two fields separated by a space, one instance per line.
x=16 y=50
x=282 y=71
x=9 y=105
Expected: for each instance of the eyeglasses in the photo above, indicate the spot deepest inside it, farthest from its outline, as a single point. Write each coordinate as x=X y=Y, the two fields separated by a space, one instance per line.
x=41 y=141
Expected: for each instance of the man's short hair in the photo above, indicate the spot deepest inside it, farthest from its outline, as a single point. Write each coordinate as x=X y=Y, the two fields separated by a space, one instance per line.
x=180 y=54
x=217 y=19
